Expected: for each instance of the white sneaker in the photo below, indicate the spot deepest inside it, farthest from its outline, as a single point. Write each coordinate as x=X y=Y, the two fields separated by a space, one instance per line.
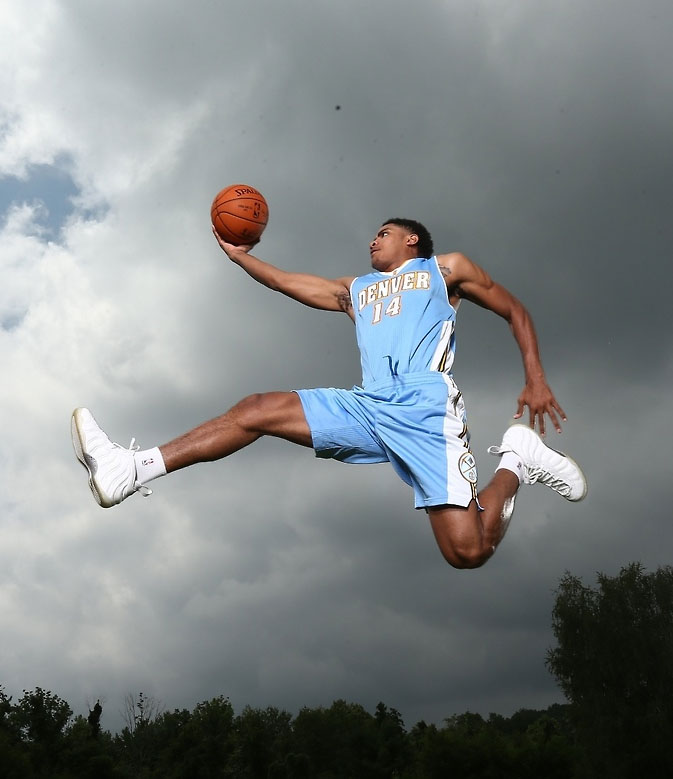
x=543 y=464
x=111 y=468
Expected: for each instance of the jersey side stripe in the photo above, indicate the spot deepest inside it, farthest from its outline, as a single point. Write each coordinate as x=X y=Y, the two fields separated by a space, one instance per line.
x=442 y=359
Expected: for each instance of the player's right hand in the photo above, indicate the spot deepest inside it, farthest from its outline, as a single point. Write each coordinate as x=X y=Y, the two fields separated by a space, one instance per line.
x=231 y=249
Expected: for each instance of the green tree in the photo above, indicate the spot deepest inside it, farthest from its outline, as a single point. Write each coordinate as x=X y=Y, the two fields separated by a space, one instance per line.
x=545 y=749
x=392 y=756
x=614 y=662
x=136 y=743
x=40 y=719
x=262 y=740
x=529 y=745
x=338 y=741
x=199 y=744
x=14 y=763
x=94 y=719
x=85 y=755
x=466 y=747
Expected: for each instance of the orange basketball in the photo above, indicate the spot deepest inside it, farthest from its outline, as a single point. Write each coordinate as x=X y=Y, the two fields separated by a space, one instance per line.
x=239 y=214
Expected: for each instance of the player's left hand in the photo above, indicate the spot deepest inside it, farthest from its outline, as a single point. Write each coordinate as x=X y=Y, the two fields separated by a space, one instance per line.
x=540 y=401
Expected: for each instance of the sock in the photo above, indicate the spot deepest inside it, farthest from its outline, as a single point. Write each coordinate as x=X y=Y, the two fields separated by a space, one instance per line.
x=149 y=465
x=512 y=462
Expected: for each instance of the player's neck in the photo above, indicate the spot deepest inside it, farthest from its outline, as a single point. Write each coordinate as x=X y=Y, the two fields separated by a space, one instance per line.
x=394 y=265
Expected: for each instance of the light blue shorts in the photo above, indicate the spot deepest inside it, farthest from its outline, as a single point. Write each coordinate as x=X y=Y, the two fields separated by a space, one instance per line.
x=417 y=422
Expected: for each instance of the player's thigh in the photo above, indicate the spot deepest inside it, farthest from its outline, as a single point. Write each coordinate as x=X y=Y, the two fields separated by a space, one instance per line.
x=278 y=414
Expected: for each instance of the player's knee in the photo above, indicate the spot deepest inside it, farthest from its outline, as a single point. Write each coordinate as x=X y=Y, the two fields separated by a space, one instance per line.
x=268 y=413
x=466 y=557
x=252 y=410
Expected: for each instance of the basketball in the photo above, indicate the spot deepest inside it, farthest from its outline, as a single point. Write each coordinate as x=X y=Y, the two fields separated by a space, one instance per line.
x=239 y=214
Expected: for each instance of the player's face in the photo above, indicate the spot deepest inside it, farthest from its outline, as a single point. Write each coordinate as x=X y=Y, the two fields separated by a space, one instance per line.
x=391 y=247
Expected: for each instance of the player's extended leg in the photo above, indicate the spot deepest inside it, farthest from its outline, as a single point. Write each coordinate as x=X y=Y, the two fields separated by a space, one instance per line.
x=278 y=414
x=467 y=537
x=115 y=472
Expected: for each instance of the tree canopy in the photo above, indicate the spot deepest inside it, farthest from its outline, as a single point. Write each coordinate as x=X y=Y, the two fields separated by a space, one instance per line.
x=39 y=738
x=614 y=662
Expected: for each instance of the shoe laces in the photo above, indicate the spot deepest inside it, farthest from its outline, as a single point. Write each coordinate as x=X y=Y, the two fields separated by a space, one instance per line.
x=141 y=488
x=535 y=473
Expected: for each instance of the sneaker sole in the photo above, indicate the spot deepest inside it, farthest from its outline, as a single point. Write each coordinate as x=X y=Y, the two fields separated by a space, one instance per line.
x=585 y=486
x=77 y=434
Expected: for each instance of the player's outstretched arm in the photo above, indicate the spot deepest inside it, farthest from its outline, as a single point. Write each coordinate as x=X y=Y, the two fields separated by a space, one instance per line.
x=465 y=279
x=311 y=290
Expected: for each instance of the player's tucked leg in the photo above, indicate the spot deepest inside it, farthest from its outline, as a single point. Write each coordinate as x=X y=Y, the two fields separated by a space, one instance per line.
x=467 y=537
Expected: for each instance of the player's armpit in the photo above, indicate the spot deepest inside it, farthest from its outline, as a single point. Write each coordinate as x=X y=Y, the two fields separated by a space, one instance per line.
x=346 y=301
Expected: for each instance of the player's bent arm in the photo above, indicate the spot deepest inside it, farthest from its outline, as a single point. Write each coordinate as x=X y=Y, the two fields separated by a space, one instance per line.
x=467 y=280
x=306 y=288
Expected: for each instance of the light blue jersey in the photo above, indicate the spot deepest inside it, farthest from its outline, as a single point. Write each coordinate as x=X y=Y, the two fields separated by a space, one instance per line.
x=408 y=411
x=404 y=321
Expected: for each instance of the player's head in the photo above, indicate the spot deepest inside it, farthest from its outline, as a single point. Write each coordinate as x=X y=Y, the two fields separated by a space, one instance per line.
x=398 y=240
x=424 y=246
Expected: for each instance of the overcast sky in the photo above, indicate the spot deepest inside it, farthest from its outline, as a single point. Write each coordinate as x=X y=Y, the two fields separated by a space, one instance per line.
x=533 y=136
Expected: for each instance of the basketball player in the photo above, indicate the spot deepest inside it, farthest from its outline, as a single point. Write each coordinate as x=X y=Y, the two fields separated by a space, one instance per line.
x=408 y=411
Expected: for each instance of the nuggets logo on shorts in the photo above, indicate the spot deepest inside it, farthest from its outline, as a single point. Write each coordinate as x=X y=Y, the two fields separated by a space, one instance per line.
x=467 y=466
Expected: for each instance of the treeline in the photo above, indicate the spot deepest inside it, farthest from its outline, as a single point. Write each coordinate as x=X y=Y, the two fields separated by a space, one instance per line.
x=613 y=661
x=39 y=738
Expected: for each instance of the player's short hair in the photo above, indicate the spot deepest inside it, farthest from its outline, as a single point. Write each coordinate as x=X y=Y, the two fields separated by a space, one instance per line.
x=425 y=245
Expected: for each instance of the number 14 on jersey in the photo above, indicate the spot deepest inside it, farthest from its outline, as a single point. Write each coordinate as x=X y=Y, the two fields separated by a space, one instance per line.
x=392 y=309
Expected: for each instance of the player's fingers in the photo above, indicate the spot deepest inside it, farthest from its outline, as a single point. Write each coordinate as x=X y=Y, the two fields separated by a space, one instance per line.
x=560 y=411
x=219 y=238
x=541 y=423
x=555 y=420
x=519 y=410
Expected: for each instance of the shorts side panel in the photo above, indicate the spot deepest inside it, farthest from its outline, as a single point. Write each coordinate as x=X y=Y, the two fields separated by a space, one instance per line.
x=425 y=432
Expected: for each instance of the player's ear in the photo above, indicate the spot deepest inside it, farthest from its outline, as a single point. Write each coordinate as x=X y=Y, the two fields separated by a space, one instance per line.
x=412 y=239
